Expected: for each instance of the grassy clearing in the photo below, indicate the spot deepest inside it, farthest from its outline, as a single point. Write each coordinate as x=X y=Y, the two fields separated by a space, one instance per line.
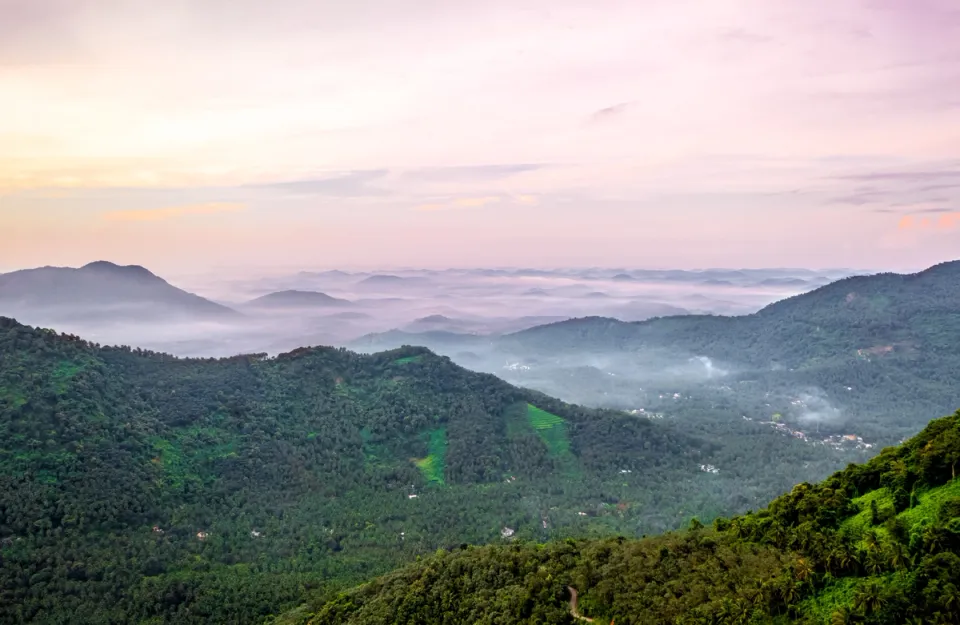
x=433 y=465
x=925 y=512
x=922 y=514
x=64 y=372
x=861 y=521
x=407 y=360
x=820 y=608
x=551 y=429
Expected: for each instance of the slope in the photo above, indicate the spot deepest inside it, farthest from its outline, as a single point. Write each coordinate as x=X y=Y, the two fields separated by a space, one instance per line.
x=296 y=299
x=888 y=313
x=135 y=486
x=875 y=543
x=100 y=290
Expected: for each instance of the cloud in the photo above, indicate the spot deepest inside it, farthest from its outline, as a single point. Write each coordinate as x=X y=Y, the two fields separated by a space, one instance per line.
x=476 y=202
x=350 y=184
x=914 y=210
x=171 y=212
x=860 y=198
x=469 y=173
x=946 y=221
x=744 y=36
x=465 y=202
x=611 y=111
x=905 y=176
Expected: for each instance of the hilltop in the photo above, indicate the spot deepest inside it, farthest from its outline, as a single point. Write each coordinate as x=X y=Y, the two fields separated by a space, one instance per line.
x=296 y=299
x=135 y=485
x=875 y=543
x=102 y=291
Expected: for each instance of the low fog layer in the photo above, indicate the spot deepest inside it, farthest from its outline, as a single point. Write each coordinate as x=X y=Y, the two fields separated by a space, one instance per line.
x=216 y=315
x=468 y=315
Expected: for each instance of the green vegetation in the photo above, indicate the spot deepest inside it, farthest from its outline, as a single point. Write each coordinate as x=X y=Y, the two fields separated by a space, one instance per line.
x=551 y=429
x=813 y=556
x=432 y=466
x=139 y=487
x=407 y=360
x=880 y=347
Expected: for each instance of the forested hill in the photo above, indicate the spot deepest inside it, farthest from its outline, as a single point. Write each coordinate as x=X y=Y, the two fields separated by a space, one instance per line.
x=135 y=486
x=874 y=544
x=888 y=313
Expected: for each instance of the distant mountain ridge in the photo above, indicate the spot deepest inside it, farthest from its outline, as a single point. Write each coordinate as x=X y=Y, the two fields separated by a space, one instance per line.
x=904 y=311
x=295 y=298
x=101 y=289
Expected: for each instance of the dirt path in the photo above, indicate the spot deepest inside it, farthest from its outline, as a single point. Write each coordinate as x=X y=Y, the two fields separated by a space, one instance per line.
x=573 y=606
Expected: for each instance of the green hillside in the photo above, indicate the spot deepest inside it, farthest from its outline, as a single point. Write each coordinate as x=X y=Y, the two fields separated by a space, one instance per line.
x=139 y=487
x=880 y=347
x=877 y=543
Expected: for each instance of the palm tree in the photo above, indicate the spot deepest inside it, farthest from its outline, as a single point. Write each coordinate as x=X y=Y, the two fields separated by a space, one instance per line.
x=869 y=598
x=841 y=616
x=899 y=557
x=876 y=562
x=803 y=570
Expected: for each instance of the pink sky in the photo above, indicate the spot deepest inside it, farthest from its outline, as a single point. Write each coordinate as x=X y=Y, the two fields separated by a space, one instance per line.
x=375 y=133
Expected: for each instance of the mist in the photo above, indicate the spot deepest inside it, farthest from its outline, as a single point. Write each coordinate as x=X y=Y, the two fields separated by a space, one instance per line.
x=277 y=313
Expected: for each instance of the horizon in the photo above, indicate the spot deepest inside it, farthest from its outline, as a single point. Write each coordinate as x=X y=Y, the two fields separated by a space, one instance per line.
x=750 y=133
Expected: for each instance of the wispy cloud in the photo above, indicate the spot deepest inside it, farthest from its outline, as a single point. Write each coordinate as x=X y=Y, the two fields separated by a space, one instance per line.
x=350 y=184
x=476 y=202
x=469 y=173
x=610 y=112
x=914 y=210
x=905 y=176
x=744 y=36
x=171 y=212
x=464 y=202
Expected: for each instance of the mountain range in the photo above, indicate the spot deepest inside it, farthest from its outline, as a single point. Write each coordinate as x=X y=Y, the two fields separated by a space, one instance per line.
x=881 y=346
x=138 y=486
x=102 y=291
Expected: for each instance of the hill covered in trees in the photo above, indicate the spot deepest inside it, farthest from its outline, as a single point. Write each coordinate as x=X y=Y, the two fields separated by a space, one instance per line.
x=880 y=349
x=876 y=543
x=884 y=312
x=139 y=487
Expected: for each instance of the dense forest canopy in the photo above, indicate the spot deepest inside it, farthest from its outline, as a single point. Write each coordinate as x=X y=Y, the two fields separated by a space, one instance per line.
x=137 y=486
x=874 y=544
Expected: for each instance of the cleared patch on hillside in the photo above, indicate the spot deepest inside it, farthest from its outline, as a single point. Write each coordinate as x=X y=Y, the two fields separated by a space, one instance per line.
x=63 y=373
x=925 y=512
x=434 y=465
x=551 y=429
x=407 y=360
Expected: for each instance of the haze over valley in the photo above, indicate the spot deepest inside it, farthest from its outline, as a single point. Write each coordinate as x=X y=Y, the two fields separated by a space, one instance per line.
x=536 y=312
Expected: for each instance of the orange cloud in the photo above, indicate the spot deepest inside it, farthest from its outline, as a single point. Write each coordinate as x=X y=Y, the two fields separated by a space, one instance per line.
x=945 y=221
x=170 y=212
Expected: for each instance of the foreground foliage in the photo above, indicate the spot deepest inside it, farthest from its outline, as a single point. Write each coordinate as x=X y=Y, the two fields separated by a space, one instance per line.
x=876 y=543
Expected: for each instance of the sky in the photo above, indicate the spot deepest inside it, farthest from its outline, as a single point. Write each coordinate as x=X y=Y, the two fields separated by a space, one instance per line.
x=215 y=134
